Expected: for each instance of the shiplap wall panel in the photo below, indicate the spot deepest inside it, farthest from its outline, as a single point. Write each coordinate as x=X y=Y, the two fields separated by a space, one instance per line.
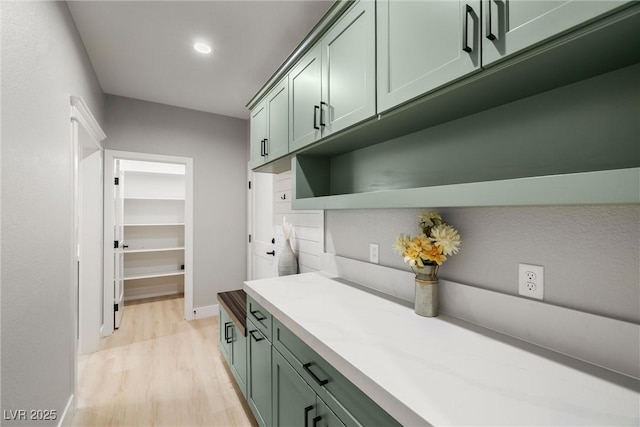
x=308 y=226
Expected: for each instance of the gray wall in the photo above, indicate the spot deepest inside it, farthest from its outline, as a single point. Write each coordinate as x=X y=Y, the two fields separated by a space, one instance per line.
x=43 y=63
x=220 y=151
x=591 y=254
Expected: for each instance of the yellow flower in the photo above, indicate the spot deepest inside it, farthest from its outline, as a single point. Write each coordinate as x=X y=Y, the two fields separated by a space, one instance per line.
x=446 y=238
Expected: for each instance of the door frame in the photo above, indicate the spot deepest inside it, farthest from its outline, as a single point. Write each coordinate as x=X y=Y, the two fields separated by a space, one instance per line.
x=81 y=118
x=109 y=222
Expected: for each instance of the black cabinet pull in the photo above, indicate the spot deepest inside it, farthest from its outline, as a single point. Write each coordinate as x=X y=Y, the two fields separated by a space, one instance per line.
x=316 y=419
x=283 y=197
x=272 y=253
x=255 y=314
x=465 y=30
x=266 y=146
x=226 y=332
x=230 y=338
x=307 y=367
x=262 y=147
x=490 y=35
x=315 y=116
x=322 y=113
x=254 y=337
x=306 y=415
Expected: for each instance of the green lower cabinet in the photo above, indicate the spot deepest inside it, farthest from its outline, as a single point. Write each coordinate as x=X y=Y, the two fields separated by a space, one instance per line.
x=233 y=346
x=325 y=416
x=295 y=404
x=293 y=400
x=239 y=360
x=225 y=344
x=259 y=375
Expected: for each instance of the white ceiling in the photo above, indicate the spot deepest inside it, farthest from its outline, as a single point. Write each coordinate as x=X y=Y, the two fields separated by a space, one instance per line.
x=144 y=49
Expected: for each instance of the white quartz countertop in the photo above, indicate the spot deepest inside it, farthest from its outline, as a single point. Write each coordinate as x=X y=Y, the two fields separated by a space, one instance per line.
x=442 y=371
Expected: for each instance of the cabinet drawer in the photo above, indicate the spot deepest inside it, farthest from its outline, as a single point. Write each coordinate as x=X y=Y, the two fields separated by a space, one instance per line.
x=260 y=317
x=350 y=404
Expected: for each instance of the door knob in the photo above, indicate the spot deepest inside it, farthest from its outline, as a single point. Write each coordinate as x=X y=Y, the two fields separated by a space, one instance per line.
x=272 y=253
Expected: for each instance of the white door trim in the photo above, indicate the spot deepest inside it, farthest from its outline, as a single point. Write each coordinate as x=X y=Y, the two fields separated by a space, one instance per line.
x=80 y=115
x=110 y=156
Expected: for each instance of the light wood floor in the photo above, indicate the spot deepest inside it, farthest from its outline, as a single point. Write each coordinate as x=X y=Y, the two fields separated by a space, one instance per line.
x=159 y=369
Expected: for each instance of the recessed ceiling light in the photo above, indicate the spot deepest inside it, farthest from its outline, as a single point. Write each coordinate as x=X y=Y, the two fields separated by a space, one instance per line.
x=202 y=48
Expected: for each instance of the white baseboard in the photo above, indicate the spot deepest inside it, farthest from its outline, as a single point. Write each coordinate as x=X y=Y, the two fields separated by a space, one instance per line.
x=66 y=418
x=206 y=311
x=610 y=343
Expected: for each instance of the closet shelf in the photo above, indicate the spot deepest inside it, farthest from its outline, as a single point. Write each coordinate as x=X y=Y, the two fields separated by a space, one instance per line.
x=178 y=199
x=152 y=275
x=154 y=224
x=138 y=251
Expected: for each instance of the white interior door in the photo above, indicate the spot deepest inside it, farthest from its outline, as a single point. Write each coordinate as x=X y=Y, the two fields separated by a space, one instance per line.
x=263 y=239
x=118 y=255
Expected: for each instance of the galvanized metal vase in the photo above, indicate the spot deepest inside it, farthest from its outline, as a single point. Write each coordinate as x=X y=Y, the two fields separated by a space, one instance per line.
x=426 y=299
x=287 y=263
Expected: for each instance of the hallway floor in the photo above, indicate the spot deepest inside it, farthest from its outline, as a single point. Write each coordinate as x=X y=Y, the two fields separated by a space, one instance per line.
x=159 y=369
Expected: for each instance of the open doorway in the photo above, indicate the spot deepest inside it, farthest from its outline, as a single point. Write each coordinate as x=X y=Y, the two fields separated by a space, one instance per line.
x=148 y=232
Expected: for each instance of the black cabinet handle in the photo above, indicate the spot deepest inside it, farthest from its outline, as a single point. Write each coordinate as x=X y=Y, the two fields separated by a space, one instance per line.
x=315 y=116
x=316 y=419
x=307 y=367
x=255 y=314
x=266 y=147
x=490 y=35
x=465 y=30
x=322 y=113
x=306 y=415
x=272 y=253
x=262 y=147
x=226 y=332
x=254 y=337
x=283 y=197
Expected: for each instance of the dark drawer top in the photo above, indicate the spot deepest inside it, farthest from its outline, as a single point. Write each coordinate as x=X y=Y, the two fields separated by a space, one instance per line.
x=235 y=304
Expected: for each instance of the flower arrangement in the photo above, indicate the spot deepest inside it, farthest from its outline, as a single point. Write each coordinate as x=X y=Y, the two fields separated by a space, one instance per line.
x=437 y=241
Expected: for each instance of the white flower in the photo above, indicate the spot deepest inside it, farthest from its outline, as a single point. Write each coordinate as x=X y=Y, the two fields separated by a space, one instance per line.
x=446 y=238
x=430 y=219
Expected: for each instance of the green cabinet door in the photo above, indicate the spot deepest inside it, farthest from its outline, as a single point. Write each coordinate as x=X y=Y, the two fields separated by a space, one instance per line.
x=325 y=416
x=277 y=143
x=225 y=335
x=258 y=134
x=424 y=44
x=511 y=26
x=293 y=399
x=348 y=69
x=304 y=100
x=259 y=375
x=239 y=360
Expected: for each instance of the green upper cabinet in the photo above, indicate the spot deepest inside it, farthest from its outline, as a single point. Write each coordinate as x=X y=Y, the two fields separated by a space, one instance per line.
x=510 y=26
x=304 y=100
x=348 y=70
x=333 y=85
x=270 y=126
x=423 y=45
x=258 y=133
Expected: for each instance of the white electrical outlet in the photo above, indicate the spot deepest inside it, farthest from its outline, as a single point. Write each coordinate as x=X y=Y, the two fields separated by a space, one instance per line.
x=373 y=253
x=531 y=281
